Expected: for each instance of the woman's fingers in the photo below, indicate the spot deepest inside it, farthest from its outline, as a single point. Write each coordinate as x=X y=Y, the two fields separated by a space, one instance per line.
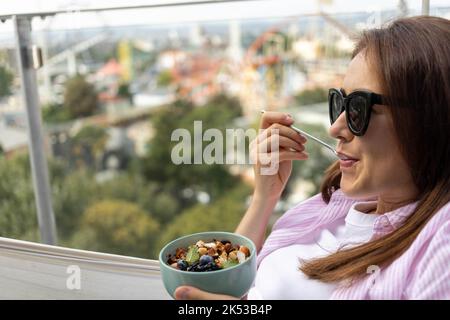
x=273 y=158
x=282 y=130
x=268 y=118
x=285 y=137
x=266 y=157
x=275 y=142
x=270 y=161
x=192 y=293
x=292 y=155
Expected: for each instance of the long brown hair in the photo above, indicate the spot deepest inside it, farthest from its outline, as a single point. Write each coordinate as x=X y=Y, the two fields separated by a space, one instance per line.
x=412 y=60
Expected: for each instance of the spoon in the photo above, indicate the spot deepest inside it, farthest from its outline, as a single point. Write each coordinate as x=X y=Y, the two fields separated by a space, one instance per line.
x=314 y=138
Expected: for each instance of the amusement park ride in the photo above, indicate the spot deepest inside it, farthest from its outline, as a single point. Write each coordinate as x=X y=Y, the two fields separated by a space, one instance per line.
x=255 y=74
x=258 y=74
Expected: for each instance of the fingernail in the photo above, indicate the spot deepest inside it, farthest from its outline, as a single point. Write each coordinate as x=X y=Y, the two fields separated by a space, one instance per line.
x=183 y=293
x=289 y=117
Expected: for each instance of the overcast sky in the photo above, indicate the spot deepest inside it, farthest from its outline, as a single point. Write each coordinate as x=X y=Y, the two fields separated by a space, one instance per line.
x=214 y=12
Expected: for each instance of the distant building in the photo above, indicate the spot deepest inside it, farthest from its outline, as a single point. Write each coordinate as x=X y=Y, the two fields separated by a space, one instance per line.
x=108 y=78
x=169 y=59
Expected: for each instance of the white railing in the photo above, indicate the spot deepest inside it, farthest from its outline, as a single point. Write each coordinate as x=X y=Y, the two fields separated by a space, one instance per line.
x=31 y=270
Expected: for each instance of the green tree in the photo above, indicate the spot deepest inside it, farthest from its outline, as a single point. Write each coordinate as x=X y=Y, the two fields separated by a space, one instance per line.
x=75 y=191
x=224 y=214
x=80 y=97
x=312 y=96
x=147 y=194
x=218 y=112
x=6 y=79
x=72 y=193
x=93 y=137
x=55 y=113
x=118 y=227
x=165 y=78
x=17 y=207
x=158 y=166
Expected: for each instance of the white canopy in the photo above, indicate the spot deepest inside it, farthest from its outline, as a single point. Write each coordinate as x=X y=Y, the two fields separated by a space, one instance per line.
x=35 y=271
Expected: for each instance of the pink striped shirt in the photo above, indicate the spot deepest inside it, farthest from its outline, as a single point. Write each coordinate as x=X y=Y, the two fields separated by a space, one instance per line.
x=421 y=272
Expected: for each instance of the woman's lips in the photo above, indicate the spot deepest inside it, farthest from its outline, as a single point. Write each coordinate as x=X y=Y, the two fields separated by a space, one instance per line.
x=346 y=161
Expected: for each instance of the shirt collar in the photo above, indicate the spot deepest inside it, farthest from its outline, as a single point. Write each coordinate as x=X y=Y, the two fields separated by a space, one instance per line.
x=385 y=223
x=392 y=220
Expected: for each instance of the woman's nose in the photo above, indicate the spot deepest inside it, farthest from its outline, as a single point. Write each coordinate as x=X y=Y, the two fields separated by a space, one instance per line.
x=340 y=130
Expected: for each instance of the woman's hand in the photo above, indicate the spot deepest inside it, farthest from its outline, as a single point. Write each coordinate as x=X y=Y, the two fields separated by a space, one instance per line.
x=192 y=293
x=270 y=186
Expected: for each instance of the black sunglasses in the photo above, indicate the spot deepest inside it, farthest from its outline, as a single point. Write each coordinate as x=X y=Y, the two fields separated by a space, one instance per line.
x=358 y=107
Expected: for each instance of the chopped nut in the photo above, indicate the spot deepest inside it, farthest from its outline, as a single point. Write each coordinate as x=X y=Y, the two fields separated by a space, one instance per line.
x=245 y=250
x=219 y=246
x=227 y=247
x=202 y=251
x=232 y=255
x=180 y=253
x=210 y=245
x=240 y=256
x=200 y=244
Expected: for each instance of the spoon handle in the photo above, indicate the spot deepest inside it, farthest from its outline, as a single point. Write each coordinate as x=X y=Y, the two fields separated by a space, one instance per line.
x=315 y=139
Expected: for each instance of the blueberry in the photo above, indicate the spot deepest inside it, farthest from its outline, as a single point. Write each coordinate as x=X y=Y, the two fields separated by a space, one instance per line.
x=211 y=266
x=214 y=267
x=192 y=267
x=205 y=259
x=199 y=268
x=182 y=264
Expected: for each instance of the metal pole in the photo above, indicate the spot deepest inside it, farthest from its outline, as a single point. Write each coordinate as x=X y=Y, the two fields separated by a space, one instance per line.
x=38 y=161
x=425 y=7
x=165 y=4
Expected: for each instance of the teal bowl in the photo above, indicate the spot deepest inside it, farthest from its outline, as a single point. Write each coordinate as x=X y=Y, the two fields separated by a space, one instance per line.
x=234 y=281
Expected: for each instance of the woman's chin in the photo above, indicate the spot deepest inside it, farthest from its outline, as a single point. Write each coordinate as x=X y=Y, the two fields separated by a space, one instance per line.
x=347 y=185
x=350 y=190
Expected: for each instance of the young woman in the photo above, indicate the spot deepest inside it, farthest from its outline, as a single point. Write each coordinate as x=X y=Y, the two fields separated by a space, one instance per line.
x=380 y=229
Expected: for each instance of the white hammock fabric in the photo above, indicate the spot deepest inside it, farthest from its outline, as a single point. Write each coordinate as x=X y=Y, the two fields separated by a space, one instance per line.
x=31 y=270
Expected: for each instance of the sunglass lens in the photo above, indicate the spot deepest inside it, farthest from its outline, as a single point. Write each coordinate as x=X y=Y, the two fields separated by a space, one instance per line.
x=357 y=112
x=337 y=107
